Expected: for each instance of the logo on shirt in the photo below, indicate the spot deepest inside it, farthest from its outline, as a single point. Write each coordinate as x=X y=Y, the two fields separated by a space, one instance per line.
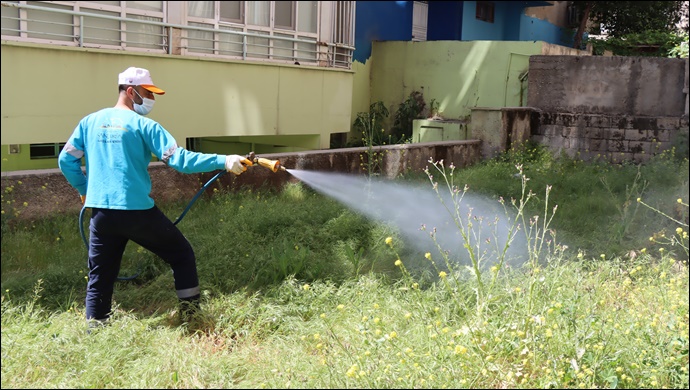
x=112 y=131
x=114 y=124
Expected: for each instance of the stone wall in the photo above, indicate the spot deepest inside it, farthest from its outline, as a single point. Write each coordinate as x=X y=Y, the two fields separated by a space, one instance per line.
x=632 y=86
x=41 y=193
x=615 y=108
x=615 y=138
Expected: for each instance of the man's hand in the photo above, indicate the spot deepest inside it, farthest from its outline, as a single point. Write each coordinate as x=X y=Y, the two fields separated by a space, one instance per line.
x=236 y=164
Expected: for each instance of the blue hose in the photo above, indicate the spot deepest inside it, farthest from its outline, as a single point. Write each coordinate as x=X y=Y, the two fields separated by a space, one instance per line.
x=189 y=206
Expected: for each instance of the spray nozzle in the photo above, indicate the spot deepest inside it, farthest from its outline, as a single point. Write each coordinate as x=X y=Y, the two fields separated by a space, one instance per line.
x=273 y=165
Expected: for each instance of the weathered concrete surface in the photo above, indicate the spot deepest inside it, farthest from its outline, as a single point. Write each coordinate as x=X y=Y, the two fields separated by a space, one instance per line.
x=500 y=128
x=39 y=193
x=612 y=108
x=486 y=123
x=517 y=125
x=614 y=138
x=634 y=86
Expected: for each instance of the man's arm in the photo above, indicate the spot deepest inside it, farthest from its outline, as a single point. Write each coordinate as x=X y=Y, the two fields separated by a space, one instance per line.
x=164 y=146
x=69 y=162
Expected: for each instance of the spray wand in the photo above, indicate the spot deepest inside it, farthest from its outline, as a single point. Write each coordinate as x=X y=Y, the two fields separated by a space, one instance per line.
x=273 y=165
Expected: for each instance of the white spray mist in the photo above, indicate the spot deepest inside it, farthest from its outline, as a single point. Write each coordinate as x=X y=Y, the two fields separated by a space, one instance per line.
x=409 y=207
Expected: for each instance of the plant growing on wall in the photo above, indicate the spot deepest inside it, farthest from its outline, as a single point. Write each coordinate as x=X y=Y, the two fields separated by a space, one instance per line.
x=434 y=108
x=370 y=124
x=373 y=134
x=410 y=109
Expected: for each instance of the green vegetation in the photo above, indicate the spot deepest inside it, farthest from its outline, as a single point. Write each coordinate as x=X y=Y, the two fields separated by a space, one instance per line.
x=637 y=28
x=373 y=134
x=646 y=44
x=626 y=17
x=410 y=109
x=299 y=291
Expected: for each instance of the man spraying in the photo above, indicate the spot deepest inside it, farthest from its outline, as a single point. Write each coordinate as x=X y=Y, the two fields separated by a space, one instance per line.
x=117 y=144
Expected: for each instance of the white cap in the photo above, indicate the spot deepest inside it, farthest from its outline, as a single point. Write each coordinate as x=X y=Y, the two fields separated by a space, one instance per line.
x=138 y=76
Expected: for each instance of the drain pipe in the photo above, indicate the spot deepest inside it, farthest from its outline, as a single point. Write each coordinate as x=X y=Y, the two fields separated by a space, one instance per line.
x=522 y=78
x=685 y=87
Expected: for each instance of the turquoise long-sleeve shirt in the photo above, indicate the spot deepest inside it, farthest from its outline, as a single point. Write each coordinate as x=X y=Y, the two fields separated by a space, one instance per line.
x=117 y=145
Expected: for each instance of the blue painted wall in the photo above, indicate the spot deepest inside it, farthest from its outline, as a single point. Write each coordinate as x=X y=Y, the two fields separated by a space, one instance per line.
x=532 y=29
x=511 y=11
x=444 y=21
x=451 y=20
x=506 y=25
x=380 y=21
x=475 y=30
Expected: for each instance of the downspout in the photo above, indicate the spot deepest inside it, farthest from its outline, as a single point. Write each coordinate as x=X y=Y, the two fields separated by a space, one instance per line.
x=522 y=79
x=685 y=87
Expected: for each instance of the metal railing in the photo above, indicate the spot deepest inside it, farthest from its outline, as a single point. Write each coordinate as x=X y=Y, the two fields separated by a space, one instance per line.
x=127 y=33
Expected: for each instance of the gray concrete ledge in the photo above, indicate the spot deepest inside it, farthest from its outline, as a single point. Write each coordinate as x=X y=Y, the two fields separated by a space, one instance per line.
x=36 y=194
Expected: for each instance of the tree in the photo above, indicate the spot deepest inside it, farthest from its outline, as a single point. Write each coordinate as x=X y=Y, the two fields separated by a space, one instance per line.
x=621 y=18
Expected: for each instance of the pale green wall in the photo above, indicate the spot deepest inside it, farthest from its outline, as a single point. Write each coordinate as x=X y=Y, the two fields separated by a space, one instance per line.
x=361 y=91
x=459 y=75
x=21 y=161
x=47 y=89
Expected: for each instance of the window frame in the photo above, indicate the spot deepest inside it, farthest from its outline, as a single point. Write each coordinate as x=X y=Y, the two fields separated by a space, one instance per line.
x=485 y=11
x=324 y=39
x=57 y=148
x=271 y=31
x=85 y=7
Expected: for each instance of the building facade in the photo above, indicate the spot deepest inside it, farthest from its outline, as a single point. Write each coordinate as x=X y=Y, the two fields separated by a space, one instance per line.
x=241 y=76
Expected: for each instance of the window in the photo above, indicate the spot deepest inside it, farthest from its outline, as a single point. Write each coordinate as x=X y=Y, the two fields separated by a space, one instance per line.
x=420 y=12
x=192 y=144
x=304 y=32
x=485 y=11
x=38 y=151
x=285 y=15
x=280 y=30
x=46 y=22
x=232 y=11
x=307 y=12
x=344 y=33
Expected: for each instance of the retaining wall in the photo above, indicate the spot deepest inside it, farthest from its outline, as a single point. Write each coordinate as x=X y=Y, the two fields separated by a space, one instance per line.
x=39 y=193
x=615 y=108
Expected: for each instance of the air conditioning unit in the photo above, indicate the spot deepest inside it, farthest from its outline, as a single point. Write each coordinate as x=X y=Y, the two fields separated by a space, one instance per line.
x=428 y=130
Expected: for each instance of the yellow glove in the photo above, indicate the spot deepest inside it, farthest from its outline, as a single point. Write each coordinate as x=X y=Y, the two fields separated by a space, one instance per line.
x=236 y=164
x=83 y=198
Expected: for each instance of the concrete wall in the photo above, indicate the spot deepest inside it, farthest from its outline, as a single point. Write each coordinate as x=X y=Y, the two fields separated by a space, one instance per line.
x=39 y=193
x=459 y=75
x=613 y=108
x=641 y=86
x=614 y=138
x=499 y=129
x=487 y=122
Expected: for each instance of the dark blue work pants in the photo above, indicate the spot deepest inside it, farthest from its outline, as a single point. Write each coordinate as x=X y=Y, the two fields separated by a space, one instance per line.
x=110 y=232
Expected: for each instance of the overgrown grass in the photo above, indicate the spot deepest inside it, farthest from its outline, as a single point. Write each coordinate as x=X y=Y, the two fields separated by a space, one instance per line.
x=299 y=291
